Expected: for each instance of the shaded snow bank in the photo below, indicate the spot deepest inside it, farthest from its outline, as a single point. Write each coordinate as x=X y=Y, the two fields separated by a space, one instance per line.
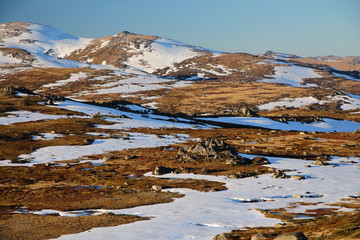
x=326 y=125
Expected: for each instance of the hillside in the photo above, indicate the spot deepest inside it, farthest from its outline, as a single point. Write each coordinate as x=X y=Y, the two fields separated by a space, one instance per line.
x=96 y=133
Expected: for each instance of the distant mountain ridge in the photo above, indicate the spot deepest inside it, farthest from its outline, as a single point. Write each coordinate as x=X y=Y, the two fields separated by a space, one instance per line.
x=43 y=45
x=145 y=52
x=172 y=76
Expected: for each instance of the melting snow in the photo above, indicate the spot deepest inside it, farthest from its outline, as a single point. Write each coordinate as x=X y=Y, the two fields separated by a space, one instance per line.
x=348 y=102
x=99 y=146
x=202 y=215
x=74 y=77
x=292 y=75
x=26 y=116
x=47 y=136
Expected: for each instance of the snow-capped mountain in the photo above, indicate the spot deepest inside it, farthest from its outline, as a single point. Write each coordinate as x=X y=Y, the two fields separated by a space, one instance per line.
x=46 y=45
x=51 y=47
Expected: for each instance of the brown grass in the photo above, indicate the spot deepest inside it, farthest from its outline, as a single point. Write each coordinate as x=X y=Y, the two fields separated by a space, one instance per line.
x=36 y=227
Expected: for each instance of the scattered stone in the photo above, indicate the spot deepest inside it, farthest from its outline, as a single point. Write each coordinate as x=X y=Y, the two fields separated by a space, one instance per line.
x=233 y=176
x=160 y=170
x=260 y=161
x=156 y=188
x=233 y=162
x=52 y=132
x=50 y=102
x=292 y=236
x=280 y=225
x=88 y=141
x=320 y=163
x=297 y=177
x=20 y=160
x=107 y=158
x=127 y=157
x=258 y=236
x=10 y=90
x=221 y=236
x=280 y=174
x=247 y=112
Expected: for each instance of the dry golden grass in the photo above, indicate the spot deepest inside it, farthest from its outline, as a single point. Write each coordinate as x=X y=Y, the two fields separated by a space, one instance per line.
x=215 y=97
x=37 y=227
x=344 y=64
x=343 y=226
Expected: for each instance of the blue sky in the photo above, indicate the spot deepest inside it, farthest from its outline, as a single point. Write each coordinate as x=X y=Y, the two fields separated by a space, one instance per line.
x=303 y=27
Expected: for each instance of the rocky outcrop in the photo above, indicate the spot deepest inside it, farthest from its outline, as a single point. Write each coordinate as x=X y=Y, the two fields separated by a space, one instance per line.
x=160 y=170
x=258 y=236
x=280 y=174
x=211 y=150
x=260 y=161
x=292 y=236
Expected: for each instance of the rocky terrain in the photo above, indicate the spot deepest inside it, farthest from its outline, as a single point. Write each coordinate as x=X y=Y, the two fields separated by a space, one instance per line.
x=102 y=137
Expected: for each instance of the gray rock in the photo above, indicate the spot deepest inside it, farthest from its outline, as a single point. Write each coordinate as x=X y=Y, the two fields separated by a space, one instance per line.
x=292 y=236
x=160 y=170
x=297 y=177
x=260 y=161
x=156 y=188
x=320 y=163
x=258 y=236
x=88 y=141
x=279 y=174
x=221 y=236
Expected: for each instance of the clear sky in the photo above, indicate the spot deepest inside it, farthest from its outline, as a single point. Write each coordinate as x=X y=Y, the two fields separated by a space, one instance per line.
x=303 y=27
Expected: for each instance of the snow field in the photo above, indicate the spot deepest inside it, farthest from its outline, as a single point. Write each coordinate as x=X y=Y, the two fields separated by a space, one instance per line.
x=292 y=75
x=349 y=102
x=326 y=125
x=99 y=146
x=162 y=53
x=202 y=215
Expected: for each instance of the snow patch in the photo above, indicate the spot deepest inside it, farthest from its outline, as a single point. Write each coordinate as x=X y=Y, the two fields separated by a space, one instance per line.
x=292 y=75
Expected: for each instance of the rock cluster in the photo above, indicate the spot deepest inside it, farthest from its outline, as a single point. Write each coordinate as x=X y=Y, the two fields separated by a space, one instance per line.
x=212 y=150
x=279 y=174
x=14 y=90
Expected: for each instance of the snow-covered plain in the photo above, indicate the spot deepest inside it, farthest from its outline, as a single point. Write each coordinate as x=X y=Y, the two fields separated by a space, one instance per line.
x=202 y=215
